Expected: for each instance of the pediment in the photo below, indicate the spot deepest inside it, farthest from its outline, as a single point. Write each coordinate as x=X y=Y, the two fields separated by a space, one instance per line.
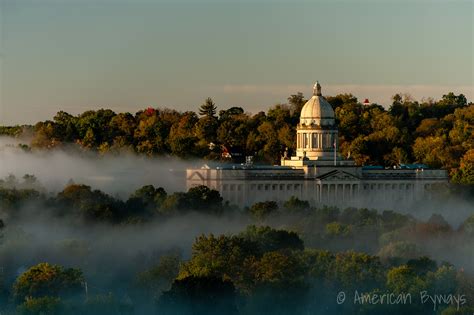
x=338 y=175
x=196 y=175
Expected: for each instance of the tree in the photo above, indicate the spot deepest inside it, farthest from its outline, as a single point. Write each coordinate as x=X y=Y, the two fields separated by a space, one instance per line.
x=229 y=113
x=465 y=173
x=430 y=151
x=357 y=270
x=90 y=205
x=403 y=279
x=199 y=295
x=159 y=277
x=296 y=102
x=272 y=148
x=206 y=129
x=295 y=205
x=43 y=305
x=146 y=201
x=48 y=280
x=181 y=139
x=65 y=126
x=150 y=133
x=2 y=226
x=268 y=239
x=422 y=265
x=468 y=226
x=208 y=108
x=399 y=250
x=279 y=277
x=452 y=99
x=221 y=256
x=202 y=198
x=262 y=210
x=336 y=229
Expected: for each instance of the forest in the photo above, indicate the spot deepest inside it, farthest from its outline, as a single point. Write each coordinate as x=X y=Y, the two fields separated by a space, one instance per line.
x=437 y=133
x=77 y=249
x=297 y=256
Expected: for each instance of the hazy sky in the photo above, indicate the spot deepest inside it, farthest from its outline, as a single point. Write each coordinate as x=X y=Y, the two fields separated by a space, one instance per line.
x=75 y=55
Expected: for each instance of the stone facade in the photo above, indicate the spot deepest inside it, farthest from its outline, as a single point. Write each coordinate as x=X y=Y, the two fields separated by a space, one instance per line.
x=344 y=186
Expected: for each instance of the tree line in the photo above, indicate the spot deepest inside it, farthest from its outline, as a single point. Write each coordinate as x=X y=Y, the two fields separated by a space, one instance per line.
x=438 y=133
x=291 y=259
x=258 y=271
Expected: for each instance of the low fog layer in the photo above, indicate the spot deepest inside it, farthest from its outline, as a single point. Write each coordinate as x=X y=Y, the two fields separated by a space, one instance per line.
x=120 y=175
x=93 y=248
x=114 y=174
x=113 y=256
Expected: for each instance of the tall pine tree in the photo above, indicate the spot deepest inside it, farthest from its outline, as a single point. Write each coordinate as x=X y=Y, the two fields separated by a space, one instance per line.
x=208 y=108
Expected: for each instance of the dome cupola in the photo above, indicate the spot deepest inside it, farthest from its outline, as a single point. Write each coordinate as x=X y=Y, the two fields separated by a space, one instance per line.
x=317 y=111
x=316 y=134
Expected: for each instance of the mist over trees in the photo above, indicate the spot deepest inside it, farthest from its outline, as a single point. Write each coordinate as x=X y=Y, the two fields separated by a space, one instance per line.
x=438 y=133
x=81 y=250
x=286 y=258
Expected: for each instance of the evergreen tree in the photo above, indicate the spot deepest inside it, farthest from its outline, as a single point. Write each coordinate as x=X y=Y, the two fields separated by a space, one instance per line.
x=208 y=108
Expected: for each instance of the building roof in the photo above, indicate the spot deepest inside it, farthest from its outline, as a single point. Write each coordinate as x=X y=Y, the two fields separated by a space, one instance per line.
x=316 y=108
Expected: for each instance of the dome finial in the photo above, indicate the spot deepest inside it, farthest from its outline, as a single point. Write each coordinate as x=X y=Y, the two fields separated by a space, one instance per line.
x=317 y=89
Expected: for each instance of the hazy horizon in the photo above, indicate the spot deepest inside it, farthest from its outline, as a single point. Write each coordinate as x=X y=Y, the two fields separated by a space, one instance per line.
x=123 y=55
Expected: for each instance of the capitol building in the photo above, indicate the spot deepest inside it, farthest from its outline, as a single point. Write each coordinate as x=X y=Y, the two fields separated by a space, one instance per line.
x=317 y=173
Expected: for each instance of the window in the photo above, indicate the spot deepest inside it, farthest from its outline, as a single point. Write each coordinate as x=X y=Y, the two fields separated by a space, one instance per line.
x=224 y=187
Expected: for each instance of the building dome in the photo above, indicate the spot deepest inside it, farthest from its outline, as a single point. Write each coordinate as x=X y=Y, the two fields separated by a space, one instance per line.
x=317 y=111
x=316 y=134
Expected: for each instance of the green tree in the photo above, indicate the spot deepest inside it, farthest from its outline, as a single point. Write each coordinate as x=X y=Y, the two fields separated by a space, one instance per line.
x=65 y=126
x=268 y=239
x=48 y=280
x=202 y=198
x=336 y=229
x=146 y=201
x=159 y=277
x=272 y=148
x=45 y=305
x=295 y=205
x=206 y=129
x=221 y=256
x=181 y=139
x=199 y=295
x=403 y=279
x=262 y=210
x=90 y=205
x=296 y=102
x=208 y=108
x=468 y=226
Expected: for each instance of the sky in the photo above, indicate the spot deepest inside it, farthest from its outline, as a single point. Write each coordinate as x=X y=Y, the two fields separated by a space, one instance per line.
x=76 y=55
